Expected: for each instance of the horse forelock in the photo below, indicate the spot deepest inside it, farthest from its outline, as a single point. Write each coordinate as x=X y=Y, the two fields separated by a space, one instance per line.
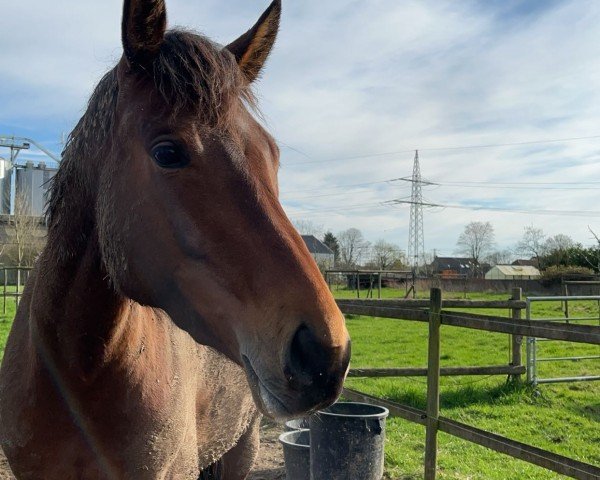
x=191 y=73
x=196 y=75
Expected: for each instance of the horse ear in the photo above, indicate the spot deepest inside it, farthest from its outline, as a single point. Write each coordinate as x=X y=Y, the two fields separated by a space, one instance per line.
x=253 y=47
x=143 y=30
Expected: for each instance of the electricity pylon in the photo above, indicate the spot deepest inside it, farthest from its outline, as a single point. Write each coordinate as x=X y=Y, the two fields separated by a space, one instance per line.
x=416 y=237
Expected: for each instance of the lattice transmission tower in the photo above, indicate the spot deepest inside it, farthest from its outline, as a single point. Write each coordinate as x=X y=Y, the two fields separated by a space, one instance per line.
x=416 y=237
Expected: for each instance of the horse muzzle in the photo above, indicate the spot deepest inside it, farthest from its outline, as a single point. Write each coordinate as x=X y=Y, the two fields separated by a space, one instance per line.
x=311 y=377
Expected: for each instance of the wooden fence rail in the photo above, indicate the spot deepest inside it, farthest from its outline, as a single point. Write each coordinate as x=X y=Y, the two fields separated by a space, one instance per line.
x=420 y=303
x=436 y=317
x=490 y=323
x=444 y=371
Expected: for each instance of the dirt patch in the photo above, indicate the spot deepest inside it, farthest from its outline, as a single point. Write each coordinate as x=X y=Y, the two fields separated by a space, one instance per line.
x=269 y=465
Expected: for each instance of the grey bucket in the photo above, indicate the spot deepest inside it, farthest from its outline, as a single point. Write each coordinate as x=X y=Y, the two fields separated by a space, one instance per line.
x=347 y=442
x=297 y=424
x=296 y=453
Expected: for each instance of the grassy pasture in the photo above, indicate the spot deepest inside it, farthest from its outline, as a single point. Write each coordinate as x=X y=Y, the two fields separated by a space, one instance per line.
x=564 y=418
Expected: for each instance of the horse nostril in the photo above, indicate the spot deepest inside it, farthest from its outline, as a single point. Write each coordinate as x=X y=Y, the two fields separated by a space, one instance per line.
x=308 y=361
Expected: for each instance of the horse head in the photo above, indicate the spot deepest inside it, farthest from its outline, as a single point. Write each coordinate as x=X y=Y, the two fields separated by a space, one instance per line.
x=189 y=219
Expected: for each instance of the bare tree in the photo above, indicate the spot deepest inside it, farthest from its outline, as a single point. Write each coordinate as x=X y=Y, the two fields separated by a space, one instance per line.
x=594 y=261
x=558 y=242
x=352 y=246
x=556 y=249
x=23 y=233
x=384 y=255
x=307 y=227
x=500 y=257
x=476 y=240
x=532 y=243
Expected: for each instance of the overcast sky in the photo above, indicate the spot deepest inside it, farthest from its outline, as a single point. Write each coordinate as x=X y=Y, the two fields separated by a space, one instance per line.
x=354 y=87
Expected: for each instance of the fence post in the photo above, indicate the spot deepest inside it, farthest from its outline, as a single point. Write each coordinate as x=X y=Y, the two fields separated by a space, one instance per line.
x=4 y=292
x=517 y=340
x=433 y=383
x=567 y=302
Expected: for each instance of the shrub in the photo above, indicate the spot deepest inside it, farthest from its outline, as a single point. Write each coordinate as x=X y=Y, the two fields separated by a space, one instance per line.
x=556 y=273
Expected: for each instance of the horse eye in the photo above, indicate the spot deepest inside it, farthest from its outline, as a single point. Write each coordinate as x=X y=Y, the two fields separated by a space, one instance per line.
x=169 y=155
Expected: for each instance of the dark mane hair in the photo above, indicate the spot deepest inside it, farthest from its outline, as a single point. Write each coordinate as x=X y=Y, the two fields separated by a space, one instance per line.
x=194 y=74
x=191 y=73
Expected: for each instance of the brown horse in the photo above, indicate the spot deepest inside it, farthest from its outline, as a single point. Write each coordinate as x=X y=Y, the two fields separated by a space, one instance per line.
x=173 y=290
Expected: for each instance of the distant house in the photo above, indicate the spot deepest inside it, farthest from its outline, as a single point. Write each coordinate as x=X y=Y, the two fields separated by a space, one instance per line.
x=513 y=272
x=525 y=263
x=453 y=266
x=322 y=254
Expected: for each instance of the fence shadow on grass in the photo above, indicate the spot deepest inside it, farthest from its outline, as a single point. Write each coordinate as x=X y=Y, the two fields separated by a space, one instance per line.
x=588 y=411
x=464 y=396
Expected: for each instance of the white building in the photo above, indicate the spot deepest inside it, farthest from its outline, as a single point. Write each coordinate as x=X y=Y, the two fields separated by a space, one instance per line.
x=513 y=272
x=322 y=254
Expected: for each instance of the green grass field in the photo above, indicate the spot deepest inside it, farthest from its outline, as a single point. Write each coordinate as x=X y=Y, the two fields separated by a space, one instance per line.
x=563 y=418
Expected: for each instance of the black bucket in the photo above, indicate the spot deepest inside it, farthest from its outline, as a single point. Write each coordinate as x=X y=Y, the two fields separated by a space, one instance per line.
x=347 y=442
x=296 y=453
x=297 y=424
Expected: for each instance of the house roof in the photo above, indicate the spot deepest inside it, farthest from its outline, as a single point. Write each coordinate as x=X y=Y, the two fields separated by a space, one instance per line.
x=453 y=263
x=522 y=262
x=518 y=271
x=316 y=246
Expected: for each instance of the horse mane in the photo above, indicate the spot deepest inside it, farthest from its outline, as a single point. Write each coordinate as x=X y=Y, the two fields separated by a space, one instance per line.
x=191 y=73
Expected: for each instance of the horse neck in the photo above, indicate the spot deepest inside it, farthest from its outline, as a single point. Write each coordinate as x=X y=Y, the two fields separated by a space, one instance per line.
x=78 y=315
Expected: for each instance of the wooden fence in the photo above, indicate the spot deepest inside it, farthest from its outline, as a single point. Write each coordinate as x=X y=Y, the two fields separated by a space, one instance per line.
x=413 y=309
x=13 y=276
x=431 y=311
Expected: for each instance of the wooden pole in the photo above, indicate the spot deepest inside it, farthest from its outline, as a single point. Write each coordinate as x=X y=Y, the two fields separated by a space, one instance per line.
x=414 y=284
x=433 y=384
x=18 y=281
x=357 y=284
x=517 y=340
x=5 y=286
x=567 y=303
x=379 y=287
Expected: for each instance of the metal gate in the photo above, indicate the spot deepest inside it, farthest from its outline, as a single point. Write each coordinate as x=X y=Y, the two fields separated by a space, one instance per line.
x=532 y=342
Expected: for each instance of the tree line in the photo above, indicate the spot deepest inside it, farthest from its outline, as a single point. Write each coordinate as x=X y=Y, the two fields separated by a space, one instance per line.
x=555 y=253
x=477 y=241
x=351 y=249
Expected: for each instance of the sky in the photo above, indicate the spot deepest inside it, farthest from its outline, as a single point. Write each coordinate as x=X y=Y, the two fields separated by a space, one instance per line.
x=501 y=98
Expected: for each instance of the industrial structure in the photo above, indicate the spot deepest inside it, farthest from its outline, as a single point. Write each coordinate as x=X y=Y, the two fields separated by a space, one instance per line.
x=416 y=237
x=24 y=180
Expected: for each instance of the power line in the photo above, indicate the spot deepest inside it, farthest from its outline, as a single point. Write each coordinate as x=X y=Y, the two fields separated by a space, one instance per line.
x=487 y=185
x=520 y=183
x=398 y=202
x=350 y=185
x=337 y=209
x=441 y=149
x=578 y=213
x=512 y=187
